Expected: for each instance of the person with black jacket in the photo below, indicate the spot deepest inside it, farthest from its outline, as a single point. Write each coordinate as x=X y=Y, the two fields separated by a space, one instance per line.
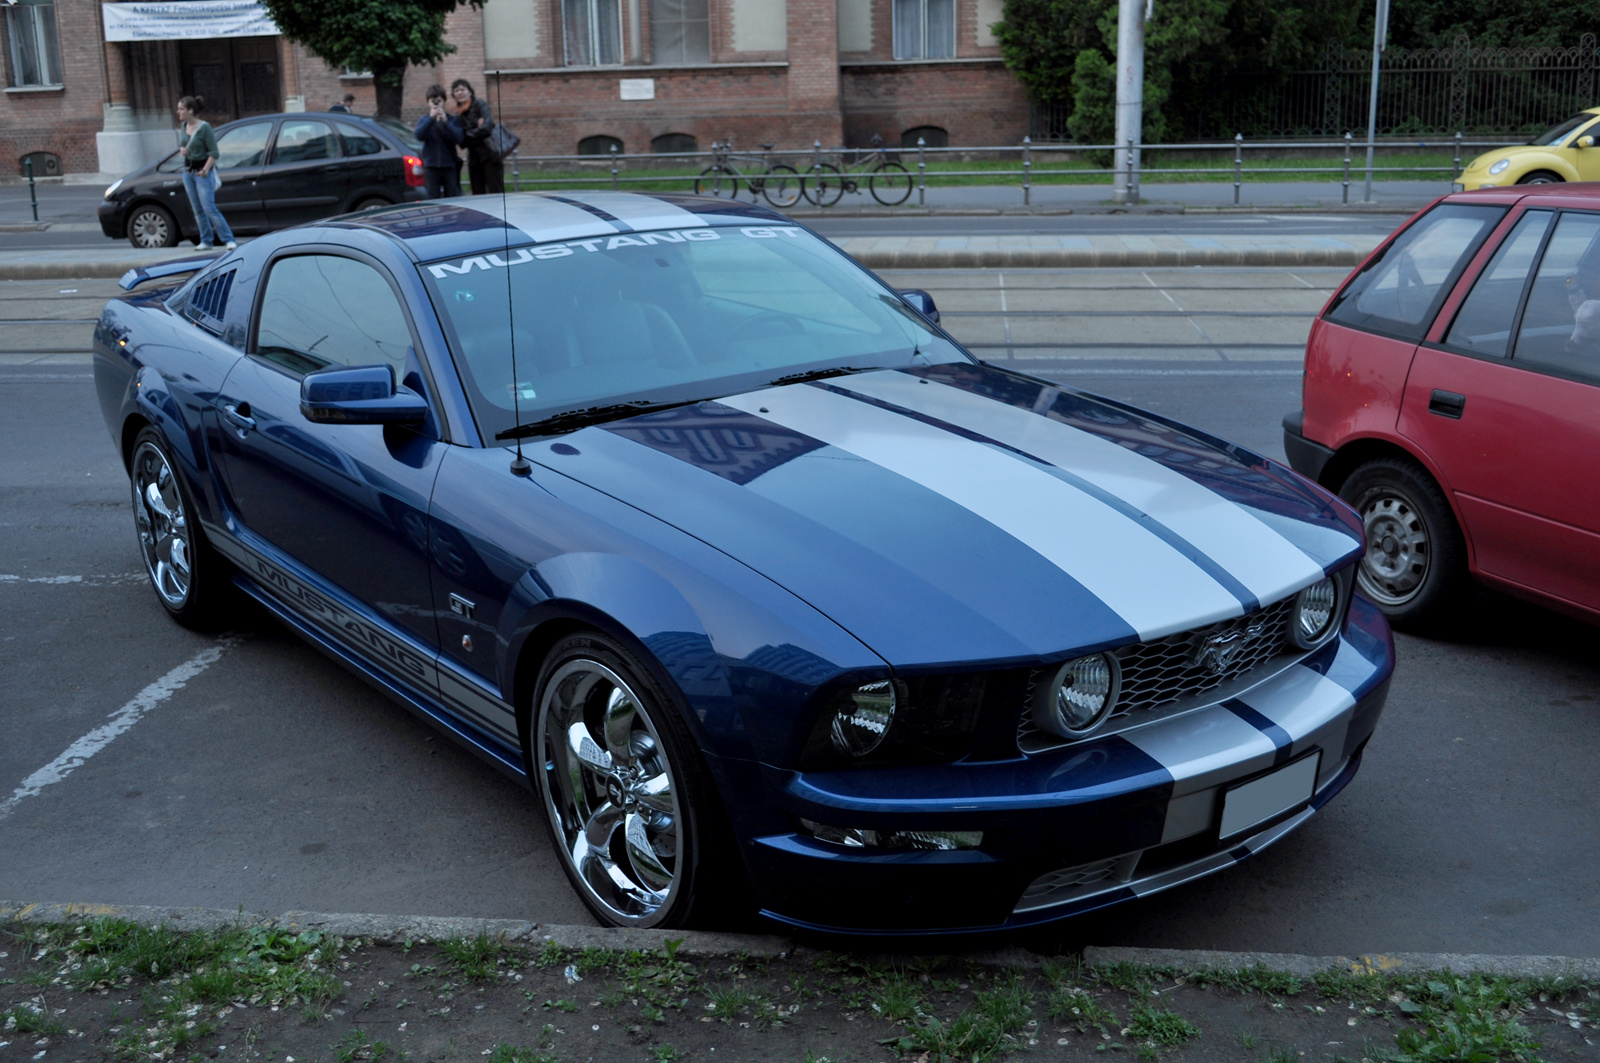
x=440 y=133
x=487 y=173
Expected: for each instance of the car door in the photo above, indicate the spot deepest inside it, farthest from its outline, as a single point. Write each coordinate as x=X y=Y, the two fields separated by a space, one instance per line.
x=1507 y=407
x=370 y=166
x=241 y=150
x=346 y=502
x=304 y=179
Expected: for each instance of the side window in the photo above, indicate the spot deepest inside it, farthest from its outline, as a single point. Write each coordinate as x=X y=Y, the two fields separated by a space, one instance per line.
x=322 y=310
x=171 y=164
x=244 y=145
x=1400 y=292
x=1561 y=325
x=305 y=141
x=359 y=141
x=1484 y=323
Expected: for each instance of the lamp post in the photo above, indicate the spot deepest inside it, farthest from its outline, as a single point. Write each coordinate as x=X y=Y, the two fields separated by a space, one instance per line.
x=1131 y=17
x=1380 y=39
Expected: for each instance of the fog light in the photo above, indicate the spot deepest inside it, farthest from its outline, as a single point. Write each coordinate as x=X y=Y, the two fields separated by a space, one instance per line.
x=862 y=717
x=1079 y=696
x=858 y=838
x=1314 y=612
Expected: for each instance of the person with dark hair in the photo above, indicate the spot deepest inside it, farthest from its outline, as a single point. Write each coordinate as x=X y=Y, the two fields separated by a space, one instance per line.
x=343 y=108
x=487 y=173
x=200 y=178
x=440 y=133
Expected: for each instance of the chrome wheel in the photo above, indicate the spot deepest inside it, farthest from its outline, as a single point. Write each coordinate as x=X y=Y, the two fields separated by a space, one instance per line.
x=609 y=792
x=164 y=534
x=1398 y=553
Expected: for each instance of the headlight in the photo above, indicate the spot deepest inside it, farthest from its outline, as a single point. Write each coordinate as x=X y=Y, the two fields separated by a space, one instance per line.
x=1315 y=611
x=1079 y=696
x=861 y=717
x=114 y=186
x=1500 y=167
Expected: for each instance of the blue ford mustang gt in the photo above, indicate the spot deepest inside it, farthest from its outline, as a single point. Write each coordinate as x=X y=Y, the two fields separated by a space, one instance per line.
x=775 y=595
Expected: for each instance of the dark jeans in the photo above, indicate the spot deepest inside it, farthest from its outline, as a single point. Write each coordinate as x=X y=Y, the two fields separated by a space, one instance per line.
x=442 y=181
x=487 y=175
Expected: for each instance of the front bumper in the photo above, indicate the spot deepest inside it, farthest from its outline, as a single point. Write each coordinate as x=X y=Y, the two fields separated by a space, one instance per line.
x=113 y=219
x=1078 y=828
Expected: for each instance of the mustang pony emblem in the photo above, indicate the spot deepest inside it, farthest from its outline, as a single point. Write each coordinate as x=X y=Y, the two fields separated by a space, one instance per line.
x=1216 y=652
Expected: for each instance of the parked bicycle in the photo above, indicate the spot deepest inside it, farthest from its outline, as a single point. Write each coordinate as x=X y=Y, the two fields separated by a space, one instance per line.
x=887 y=180
x=779 y=183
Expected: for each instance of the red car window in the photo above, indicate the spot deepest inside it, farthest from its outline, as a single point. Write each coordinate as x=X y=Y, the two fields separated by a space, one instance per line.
x=1486 y=318
x=1400 y=290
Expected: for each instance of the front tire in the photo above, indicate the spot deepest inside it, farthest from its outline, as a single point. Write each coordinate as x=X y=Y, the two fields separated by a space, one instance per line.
x=150 y=226
x=890 y=185
x=715 y=181
x=1415 y=564
x=629 y=803
x=189 y=577
x=1541 y=177
x=781 y=186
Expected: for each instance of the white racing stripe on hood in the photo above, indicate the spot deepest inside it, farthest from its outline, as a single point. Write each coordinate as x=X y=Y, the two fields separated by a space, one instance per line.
x=641 y=212
x=541 y=218
x=1141 y=578
x=1266 y=563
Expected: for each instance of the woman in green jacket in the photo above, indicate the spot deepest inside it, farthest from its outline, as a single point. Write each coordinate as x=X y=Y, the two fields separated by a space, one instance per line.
x=200 y=178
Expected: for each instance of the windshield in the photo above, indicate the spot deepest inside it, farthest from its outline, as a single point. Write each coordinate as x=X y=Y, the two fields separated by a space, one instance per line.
x=401 y=131
x=664 y=317
x=1556 y=135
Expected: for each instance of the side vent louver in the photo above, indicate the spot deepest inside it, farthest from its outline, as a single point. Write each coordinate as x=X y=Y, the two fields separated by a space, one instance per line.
x=208 y=304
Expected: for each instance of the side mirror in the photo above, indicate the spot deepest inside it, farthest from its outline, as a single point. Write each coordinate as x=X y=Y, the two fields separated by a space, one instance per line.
x=921 y=302
x=1586 y=142
x=363 y=394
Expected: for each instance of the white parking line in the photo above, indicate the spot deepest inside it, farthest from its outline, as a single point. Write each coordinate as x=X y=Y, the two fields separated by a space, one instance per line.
x=120 y=721
x=87 y=581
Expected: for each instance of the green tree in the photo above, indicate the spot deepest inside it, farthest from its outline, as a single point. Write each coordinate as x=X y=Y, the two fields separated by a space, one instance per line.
x=383 y=36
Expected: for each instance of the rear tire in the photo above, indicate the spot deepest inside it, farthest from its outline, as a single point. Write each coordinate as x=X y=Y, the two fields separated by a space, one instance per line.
x=372 y=203
x=631 y=807
x=1541 y=177
x=823 y=185
x=716 y=182
x=191 y=580
x=150 y=226
x=1415 y=565
x=781 y=186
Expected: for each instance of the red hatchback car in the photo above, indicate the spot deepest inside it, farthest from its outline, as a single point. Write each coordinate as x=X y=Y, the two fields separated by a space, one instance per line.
x=1452 y=397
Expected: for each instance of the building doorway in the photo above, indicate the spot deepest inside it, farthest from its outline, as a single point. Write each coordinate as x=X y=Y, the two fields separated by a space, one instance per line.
x=238 y=76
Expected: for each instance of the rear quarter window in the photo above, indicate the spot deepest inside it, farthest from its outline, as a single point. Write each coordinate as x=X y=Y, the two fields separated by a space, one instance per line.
x=1399 y=292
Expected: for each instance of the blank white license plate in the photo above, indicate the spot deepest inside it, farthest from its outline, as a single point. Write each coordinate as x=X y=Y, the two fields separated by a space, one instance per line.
x=1261 y=799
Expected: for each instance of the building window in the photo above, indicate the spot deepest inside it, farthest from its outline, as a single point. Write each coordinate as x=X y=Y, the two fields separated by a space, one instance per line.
x=670 y=143
x=35 y=52
x=924 y=29
x=931 y=135
x=592 y=32
x=599 y=144
x=680 y=31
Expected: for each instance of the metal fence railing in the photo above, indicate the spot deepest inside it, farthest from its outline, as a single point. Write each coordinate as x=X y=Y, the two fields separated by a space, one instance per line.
x=1422 y=92
x=1023 y=166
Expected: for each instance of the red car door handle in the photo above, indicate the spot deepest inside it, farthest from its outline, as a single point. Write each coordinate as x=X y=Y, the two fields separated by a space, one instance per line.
x=1447 y=404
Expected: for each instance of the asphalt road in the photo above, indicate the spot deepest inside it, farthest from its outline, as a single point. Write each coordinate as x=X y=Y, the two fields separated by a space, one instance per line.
x=270 y=778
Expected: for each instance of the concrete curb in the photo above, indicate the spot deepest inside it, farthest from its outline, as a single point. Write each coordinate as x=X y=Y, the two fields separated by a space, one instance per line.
x=395 y=929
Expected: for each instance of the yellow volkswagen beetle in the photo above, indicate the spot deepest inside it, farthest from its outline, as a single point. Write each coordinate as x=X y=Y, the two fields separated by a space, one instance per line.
x=1566 y=151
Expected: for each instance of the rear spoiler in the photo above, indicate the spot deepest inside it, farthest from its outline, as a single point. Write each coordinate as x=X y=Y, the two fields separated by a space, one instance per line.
x=140 y=274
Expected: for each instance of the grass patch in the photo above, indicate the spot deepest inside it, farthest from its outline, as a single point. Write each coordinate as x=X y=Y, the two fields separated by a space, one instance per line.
x=1159 y=1026
x=990 y=1027
x=476 y=959
x=513 y=1054
x=355 y=1046
x=28 y=1018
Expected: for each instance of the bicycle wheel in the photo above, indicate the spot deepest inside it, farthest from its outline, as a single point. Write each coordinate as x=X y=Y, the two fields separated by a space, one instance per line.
x=823 y=185
x=716 y=181
x=890 y=184
x=782 y=186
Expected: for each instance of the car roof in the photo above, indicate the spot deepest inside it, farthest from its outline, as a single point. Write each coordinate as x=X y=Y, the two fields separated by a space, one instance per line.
x=445 y=228
x=1584 y=194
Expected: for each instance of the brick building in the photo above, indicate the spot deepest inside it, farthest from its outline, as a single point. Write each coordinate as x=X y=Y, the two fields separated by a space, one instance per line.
x=573 y=75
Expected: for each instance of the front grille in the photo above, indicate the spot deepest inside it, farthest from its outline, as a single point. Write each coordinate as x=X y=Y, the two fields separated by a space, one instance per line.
x=1173 y=670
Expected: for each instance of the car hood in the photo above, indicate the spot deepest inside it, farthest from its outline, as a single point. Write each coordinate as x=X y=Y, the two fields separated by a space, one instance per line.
x=961 y=513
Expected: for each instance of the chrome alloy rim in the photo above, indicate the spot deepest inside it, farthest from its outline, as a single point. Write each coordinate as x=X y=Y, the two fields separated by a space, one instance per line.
x=609 y=790
x=1398 y=555
x=164 y=534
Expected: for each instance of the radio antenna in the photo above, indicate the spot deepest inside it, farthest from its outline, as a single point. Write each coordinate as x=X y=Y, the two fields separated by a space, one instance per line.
x=519 y=464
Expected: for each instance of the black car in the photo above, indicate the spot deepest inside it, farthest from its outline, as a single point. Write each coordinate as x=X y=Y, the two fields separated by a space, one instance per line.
x=277 y=171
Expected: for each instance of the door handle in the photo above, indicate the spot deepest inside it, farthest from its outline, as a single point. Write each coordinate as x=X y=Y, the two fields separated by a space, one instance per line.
x=239 y=416
x=1447 y=404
